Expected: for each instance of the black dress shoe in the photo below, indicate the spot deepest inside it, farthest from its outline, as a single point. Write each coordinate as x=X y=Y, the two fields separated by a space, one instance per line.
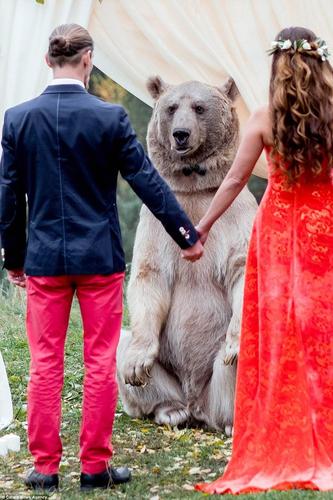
x=105 y=479
x=37 y=481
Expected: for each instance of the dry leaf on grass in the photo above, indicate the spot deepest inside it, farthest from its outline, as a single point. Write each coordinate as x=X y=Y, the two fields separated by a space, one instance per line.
x=194 y=471
x=188 y=487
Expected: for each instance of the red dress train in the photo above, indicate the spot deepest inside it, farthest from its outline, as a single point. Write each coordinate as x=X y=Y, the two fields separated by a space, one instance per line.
x=283 y=432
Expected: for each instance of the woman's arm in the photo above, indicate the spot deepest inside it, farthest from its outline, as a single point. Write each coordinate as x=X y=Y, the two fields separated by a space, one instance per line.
x=247 y=155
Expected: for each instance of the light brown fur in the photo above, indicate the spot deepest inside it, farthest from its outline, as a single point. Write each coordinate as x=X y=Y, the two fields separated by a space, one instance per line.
x=185 y=318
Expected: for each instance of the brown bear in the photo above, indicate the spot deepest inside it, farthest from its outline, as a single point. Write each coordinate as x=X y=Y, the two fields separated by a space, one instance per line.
x=178 y=362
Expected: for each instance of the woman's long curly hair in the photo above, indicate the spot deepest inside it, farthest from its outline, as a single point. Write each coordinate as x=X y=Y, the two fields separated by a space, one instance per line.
x=301 y=106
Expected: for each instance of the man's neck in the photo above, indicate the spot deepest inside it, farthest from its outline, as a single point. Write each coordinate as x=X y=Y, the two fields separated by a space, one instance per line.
x=74 y=75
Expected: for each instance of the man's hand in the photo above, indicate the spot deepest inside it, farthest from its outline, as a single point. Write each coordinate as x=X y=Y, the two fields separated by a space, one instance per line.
x=17 y=277
x=194 y=253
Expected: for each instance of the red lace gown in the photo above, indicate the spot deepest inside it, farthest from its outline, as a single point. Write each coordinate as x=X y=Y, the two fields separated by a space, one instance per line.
x=283 y=431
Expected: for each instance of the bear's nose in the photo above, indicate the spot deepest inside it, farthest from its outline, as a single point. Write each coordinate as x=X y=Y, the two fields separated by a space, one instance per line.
x=181 y=136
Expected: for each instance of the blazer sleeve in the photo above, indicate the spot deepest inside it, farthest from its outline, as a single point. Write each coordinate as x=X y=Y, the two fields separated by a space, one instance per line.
x=137 y=169
x=12 y=204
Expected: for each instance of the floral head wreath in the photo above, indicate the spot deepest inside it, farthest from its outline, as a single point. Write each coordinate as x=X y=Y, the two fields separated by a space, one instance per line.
x=301 y=45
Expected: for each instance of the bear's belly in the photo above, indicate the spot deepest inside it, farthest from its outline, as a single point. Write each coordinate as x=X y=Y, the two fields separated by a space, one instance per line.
x=197 y=323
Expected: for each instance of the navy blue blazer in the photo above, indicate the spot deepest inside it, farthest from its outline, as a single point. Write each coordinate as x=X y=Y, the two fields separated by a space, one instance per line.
x=62 y=153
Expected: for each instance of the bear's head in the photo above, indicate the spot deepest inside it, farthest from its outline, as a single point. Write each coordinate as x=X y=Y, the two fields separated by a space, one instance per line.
x=193 y=133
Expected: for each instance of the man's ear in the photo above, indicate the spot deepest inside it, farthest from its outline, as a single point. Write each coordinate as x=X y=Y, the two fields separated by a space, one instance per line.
x=230 y=89
x=86 y=58
x=47 y=60
x=156 y=87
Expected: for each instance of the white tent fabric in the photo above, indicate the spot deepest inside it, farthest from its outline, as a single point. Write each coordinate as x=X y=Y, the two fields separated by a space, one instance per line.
x=205 y=40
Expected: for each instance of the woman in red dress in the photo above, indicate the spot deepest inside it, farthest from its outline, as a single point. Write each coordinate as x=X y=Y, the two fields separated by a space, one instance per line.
x=283 y=430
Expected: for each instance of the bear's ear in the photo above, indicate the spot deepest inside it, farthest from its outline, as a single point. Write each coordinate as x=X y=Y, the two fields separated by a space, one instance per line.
x=230 y=89
x=156 y=86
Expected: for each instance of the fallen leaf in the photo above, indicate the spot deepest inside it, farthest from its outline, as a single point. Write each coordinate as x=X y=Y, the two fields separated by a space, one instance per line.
x=188 y=487
x=154 y=489
x=194 y=470
x=7 y=485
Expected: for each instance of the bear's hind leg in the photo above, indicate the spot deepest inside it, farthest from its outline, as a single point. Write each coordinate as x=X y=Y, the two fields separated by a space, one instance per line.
x=215 y=406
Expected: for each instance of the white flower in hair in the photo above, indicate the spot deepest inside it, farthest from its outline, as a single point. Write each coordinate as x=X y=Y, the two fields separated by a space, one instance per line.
x=286 y=45
x=300 y=45
x=322 y=50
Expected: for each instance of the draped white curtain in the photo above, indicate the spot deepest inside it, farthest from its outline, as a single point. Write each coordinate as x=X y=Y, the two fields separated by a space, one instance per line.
x=180 y=40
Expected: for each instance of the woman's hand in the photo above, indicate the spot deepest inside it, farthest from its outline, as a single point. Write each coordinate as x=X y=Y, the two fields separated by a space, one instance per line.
x=17 y=277
x=202 y=232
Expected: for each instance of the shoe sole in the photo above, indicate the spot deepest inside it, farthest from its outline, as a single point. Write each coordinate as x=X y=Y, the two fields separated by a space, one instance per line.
x=111 y=485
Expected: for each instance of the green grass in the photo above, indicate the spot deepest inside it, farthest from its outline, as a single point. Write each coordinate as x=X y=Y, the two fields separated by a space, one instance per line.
x=166 y=462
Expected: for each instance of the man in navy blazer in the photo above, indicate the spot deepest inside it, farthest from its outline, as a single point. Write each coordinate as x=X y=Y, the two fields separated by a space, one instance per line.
x=62 y=153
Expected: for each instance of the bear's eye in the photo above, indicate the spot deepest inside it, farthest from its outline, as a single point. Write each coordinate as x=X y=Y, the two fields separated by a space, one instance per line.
x=172 y=109
x=199 y=109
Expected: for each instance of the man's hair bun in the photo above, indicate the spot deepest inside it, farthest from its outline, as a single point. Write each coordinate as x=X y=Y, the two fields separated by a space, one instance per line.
x=61 y=46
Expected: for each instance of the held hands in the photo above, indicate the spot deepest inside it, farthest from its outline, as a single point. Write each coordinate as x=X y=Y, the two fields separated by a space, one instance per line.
x=17 y=277
x=195 y=253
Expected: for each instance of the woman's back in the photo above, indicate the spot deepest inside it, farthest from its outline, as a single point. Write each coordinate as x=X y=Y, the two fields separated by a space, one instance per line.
x=298 y=216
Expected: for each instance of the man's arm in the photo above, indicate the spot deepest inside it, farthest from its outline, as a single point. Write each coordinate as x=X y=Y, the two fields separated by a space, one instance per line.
x=146 y=182
x=12 y=209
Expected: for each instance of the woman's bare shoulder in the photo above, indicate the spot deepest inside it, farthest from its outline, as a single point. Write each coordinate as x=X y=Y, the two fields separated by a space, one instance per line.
x=261 y=114
x=262 y=117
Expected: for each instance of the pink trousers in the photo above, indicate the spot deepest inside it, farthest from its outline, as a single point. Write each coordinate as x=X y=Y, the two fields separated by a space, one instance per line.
x=49 y=301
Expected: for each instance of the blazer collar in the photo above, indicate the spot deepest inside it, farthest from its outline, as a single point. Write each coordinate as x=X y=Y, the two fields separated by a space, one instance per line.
x=65 y=89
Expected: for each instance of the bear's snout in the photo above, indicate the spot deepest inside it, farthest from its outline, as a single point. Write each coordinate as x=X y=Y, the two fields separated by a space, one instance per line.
x=181 y=136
